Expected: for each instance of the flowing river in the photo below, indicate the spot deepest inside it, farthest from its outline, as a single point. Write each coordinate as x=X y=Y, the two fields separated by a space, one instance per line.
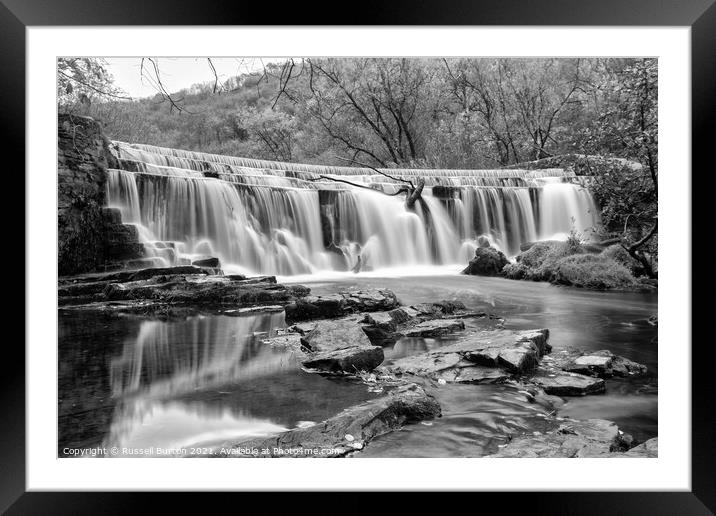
x=205 y=380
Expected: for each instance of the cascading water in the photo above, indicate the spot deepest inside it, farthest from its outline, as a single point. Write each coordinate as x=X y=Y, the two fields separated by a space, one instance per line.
x=281 y=218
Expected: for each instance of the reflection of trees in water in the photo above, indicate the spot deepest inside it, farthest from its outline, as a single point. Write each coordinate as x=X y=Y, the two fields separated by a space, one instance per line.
x=170 y=358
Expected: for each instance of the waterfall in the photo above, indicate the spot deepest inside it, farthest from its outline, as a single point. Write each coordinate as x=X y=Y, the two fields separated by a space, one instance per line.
x=261 y=216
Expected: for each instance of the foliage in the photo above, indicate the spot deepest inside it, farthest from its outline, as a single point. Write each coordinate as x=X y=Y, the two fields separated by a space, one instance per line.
x=620 y=255
x=592 y=271
x=567 y=264
x=436 y=113
x=81 y=81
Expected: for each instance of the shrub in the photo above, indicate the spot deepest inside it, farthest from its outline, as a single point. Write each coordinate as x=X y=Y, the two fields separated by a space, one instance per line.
x=592 y=271
x=620 y=255
x=539 y=260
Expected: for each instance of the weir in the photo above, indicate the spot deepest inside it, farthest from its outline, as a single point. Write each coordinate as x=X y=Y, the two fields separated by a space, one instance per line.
x=270 y=217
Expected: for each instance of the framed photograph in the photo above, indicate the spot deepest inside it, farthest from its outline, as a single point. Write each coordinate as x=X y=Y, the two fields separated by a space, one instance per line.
x=429 y=240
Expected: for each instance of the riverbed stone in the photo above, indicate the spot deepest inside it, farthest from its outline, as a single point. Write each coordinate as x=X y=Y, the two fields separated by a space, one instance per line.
x=434 y=328
x=488 y=356
x=332 y=335
x=340 y=346
x=602 y=363
x=353 y=359
x=569 y=384
x=588 y=438
x=341 y=303
x=646 y=450
x=347 y=432
x=488 y=261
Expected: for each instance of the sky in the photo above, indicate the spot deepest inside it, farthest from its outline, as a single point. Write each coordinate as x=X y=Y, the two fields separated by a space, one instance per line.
x=179 y=72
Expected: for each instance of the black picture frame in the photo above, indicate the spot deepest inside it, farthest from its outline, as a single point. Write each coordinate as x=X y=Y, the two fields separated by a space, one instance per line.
x=700 y=15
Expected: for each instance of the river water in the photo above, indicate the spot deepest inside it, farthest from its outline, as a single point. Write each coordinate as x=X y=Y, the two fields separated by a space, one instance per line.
x=141 y=383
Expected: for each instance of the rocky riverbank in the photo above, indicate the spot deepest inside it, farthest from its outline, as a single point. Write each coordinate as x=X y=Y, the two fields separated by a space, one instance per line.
x=343 y=335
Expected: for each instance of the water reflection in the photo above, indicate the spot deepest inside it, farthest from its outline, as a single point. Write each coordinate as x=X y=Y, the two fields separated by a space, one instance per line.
x=200 y=381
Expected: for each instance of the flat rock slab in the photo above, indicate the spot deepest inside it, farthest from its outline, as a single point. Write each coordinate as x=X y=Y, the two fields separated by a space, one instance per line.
x=488 y=356
x=340 y=304
x=590 y=438
x=602 y=363
x=181 y=289
x=569 y=384
x=351 y=360
x=347 y=432
x=434 y=328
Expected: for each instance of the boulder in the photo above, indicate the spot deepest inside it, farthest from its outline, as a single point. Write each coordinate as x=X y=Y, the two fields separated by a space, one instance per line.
x=521 y=358
x=340 y=347
x=332 y=335
x=488 y=261
x=316 y=307
x=483 y=241
x=347 y=432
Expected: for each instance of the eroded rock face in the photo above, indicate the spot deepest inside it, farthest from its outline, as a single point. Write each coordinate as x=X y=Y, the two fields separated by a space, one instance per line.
x=488 y=261
x=590 y=438
x=348 y=431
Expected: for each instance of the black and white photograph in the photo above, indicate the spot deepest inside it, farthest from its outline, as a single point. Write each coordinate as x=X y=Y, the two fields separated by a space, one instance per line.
x=357 y=257
x=453 y=241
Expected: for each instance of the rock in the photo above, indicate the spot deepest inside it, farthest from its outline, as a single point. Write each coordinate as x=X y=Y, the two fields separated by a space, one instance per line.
x=315 y=307
x=332 y=335
x=489 y=356
x=210 y=263
x=570 y=384
x=426 y=364
x=348 y=431
x=340 y=346
x=434 y=328
x=381 y=328
x=291 y=341
x=488 y=261
x=370 y=300
x=165 y=271
x=175 y=291
x=474 y=374
x=603 y=364
x=483 y=242
x=342 y=303
x=352 y=359
x=648 y=449
x=590 y=438
x=522 y=358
